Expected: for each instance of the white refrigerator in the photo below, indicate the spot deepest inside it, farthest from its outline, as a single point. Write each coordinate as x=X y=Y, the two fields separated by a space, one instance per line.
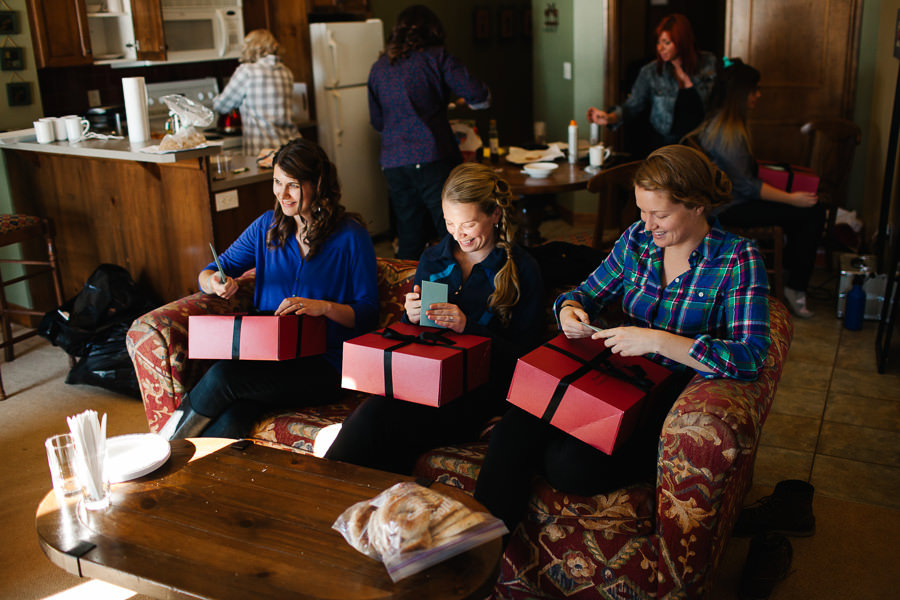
x=342 y=55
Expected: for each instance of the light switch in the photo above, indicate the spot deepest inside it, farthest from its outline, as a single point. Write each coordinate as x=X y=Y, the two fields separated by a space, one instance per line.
x=226 y=200
x=567 y=70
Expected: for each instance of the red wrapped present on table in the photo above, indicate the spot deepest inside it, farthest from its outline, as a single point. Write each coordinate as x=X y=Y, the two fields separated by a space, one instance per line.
x=255 y=337
x=417 y=364
x=789 y=178
x=579 y=386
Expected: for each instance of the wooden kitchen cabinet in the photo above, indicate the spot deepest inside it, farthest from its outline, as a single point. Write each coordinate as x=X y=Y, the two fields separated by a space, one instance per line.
x=60 y=33
x=353 y=7
x=149 y=39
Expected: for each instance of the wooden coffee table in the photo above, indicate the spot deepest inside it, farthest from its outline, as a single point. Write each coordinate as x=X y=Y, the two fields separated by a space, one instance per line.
x=246 y=521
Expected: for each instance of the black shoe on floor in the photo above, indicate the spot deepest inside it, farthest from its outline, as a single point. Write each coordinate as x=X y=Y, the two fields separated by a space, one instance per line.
x=788 y=511
x=768 y=562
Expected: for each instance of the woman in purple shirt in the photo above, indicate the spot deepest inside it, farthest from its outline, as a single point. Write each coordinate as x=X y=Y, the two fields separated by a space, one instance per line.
x=410 y=86
x=311 y=258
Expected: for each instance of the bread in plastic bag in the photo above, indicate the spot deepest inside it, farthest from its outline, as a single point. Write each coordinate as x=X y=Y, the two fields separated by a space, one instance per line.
x=190 y=116
x=409 y=528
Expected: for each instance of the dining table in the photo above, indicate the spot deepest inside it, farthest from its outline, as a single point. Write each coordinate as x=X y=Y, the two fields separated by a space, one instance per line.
x=533 y=193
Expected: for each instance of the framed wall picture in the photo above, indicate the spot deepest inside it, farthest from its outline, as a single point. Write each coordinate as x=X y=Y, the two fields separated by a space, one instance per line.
x=9 y=22
x=18 y=93
x=507 y=23
x=481 y=22
x=12 y=59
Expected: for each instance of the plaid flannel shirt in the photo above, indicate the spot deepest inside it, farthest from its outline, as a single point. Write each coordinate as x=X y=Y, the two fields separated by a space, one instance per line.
x=721 y=301
x=263 y=91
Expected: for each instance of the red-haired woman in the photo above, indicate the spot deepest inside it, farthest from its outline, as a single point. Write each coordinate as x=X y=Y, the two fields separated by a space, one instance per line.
x=675 y=87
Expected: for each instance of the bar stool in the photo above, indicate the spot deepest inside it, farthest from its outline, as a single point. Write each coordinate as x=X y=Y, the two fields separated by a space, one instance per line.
x=16 y=229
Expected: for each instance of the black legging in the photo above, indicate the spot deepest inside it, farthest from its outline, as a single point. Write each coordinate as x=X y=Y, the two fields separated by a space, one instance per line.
x=523 y=446
x=388 y=434
x=233 y=393
x=802 y=227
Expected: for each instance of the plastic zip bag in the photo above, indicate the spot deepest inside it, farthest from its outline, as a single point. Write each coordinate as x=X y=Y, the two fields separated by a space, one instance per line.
x=410 y=528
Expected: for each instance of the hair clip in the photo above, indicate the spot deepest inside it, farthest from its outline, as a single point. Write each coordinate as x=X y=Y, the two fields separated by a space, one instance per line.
x=727 y=61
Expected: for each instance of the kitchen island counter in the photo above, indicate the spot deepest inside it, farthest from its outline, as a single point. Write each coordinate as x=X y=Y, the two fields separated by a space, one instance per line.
x=117 y=149
x=154 y=214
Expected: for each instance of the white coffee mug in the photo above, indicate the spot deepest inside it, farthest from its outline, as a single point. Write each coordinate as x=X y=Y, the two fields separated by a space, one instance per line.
x=598 y=155
x=52 y=121
x=43 y=131
x=61 y=134
x=76 y=127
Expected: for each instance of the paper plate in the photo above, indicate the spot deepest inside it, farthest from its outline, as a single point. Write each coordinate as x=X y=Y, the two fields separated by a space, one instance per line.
x=134 y=455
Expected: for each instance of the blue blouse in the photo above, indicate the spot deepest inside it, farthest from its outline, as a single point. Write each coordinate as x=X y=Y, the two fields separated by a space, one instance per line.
x=342 y=271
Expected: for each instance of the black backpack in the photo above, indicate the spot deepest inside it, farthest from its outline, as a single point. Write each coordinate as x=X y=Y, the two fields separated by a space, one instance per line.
x=110 y=296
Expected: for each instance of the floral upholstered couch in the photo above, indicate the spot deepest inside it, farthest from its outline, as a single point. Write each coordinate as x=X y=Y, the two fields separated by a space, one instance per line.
x=645 y=540
x=642 y=541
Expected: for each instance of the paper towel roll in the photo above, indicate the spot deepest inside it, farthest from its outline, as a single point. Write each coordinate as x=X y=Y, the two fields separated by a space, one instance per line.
x=136 y=112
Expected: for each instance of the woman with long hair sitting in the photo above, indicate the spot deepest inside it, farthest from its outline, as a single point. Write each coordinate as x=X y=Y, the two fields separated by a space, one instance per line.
x=495 y=291
x=725 y=138
x=311 y=258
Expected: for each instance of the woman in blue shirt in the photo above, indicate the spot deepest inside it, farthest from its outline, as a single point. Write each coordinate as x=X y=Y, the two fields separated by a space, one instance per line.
x=695 y=300
x=495 y=291
x=410 y=86
x=311 y=258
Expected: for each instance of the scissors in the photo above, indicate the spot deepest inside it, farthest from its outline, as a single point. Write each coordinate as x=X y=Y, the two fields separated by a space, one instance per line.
x=218 y=264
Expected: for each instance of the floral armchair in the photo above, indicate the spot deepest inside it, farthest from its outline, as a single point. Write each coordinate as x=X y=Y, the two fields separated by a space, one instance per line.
x=157 y=344
x=642 y=541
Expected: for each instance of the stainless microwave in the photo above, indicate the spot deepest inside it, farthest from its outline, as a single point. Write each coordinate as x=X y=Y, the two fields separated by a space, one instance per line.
x=196 y=33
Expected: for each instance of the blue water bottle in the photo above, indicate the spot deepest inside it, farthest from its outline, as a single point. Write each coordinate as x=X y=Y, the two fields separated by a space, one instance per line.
x=855 y=307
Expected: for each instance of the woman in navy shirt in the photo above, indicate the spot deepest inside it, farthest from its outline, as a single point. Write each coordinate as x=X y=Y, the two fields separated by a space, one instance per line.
x=495 y=291
x=311 y=258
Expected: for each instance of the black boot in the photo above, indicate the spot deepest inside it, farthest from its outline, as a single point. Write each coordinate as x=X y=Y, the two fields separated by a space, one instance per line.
x=788 y=511
x=768 y=562
x=191 y=424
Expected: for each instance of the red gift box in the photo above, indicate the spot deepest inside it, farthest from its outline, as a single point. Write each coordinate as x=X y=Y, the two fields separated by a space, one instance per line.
x=263 y=337
x=417 y=364
x=579 y=386
x=789 y=178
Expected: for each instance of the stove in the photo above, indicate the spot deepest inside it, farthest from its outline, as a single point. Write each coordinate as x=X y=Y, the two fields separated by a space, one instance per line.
x=201 y=91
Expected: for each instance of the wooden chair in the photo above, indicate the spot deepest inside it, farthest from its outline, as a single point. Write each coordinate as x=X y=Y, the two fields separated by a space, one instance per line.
x=831 y=146
x=616 y=208
x=16 y=229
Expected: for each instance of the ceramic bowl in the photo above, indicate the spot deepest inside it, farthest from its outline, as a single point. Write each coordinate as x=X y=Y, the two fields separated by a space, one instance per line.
x=540 y=170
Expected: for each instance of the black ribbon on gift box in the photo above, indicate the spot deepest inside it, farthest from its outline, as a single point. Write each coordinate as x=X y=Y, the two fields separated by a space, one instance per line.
x=427 y=338
x=637 y=376
x=790 y=171
x=236 y=336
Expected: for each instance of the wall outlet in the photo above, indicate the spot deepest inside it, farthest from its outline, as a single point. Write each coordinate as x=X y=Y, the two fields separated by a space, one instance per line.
x=93 y=98
x=226 y=200
x=567 y=70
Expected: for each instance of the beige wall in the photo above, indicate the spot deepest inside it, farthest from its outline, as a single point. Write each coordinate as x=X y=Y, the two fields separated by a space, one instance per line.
x=881 y=106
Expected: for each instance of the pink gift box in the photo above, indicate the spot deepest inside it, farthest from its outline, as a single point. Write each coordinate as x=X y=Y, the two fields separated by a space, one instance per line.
x=789 y=178
x=417 y=364
x=579 y=386
x=262 y=337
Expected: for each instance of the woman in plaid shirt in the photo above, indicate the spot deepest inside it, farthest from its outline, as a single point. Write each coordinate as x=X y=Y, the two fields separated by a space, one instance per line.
x=695 y=300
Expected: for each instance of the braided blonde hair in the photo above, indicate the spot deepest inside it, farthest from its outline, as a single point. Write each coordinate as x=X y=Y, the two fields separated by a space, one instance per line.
x=475 y=182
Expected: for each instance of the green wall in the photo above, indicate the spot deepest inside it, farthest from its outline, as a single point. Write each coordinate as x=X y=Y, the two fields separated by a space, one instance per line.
x=13 y=118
